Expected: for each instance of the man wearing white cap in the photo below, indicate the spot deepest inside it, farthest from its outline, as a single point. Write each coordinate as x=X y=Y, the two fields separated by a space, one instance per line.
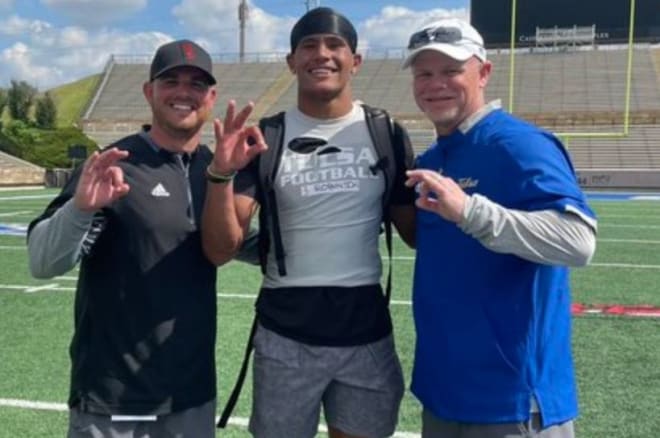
x=500 y=218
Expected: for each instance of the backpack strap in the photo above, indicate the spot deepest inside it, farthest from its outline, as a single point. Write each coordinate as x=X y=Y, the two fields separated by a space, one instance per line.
x=381 y=130
x=269 y=161
x=238 y=386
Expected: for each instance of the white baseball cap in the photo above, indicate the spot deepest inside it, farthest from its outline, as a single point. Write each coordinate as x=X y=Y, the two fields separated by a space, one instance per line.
x=453 y=37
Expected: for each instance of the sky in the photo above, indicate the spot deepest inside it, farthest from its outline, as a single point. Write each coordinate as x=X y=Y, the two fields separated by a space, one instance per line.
x=53 y=42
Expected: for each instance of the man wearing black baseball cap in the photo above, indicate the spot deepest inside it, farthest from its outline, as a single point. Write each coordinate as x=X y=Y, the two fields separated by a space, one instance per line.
x=180 y=54
x=324 y=333
x=143 y=349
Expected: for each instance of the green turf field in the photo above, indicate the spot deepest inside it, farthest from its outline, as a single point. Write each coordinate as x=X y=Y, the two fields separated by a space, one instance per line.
x=617 y=357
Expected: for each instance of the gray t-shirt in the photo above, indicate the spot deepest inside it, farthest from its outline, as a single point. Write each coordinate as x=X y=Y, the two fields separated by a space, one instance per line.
x=329 y=193
x=329 y=204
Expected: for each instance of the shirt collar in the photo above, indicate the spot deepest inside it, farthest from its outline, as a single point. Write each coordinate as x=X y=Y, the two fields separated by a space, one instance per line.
x=472 y=120
x=144 y=133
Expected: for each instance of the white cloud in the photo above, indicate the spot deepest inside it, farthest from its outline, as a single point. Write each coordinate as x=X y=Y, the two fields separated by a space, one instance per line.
x=47 y=55
x=94 y=12
x=71 y=53
x=15 y=25
x=218 y=23
x=18 y=63
x=393 y=26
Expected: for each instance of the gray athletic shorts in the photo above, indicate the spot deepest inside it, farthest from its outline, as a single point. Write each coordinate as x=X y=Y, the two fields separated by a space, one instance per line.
x=359 y=387
x=434 y=427
x=198 y=422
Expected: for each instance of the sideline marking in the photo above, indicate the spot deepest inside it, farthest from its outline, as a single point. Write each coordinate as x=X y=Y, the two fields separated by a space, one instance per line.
x=644 y=310
x=241 y=422
x=577 y=309
x=13 y=229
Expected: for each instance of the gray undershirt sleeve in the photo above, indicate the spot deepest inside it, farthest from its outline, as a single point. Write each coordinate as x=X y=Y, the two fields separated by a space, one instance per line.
x=54 y=244
x=548 y=236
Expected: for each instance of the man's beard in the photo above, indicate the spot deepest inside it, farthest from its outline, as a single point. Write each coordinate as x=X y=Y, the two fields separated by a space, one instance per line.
x=181 y=130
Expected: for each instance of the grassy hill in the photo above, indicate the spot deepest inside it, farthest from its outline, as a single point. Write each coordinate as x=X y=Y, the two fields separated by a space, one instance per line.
x=71 y=99
x=49 y=147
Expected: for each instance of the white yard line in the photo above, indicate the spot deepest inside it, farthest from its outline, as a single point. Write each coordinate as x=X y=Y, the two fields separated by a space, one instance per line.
x=632 y=241
x=624 y=265
x=608 y=216
x=637 y=242
x=41 y=288
x=640 y=227
x=241 y=422
x=25 y=197
x=32 y=289
x=57 y=287
x=20 y=188
x=15 y=213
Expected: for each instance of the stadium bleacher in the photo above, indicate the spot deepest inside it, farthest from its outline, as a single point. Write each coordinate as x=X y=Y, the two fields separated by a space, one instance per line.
x=16 y=172
x=581 y=90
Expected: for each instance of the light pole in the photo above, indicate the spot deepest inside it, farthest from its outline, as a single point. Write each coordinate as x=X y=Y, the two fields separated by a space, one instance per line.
x=242 y=18
x=311 y=4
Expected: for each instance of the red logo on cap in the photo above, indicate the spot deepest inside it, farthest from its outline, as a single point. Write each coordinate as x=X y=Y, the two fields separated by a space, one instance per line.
x=188 y=51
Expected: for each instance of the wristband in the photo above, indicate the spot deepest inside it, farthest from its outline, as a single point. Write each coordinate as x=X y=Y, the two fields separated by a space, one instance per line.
x=218 y=178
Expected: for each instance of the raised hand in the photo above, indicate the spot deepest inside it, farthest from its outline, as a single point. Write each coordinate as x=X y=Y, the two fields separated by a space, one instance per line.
x=235 y=143
x=101 y=181
x=438 y=194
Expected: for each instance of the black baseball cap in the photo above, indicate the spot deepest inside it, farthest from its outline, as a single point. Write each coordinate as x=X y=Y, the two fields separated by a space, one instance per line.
x=323 y=20
x=181 y=53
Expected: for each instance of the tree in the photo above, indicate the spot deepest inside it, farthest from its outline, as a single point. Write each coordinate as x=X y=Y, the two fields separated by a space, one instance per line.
x=3 y=100
x=20 y=98
x=46 y=112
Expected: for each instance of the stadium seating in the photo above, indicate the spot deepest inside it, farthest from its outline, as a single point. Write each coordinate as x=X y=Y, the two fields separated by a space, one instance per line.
x=15 y=172
x=581 y=90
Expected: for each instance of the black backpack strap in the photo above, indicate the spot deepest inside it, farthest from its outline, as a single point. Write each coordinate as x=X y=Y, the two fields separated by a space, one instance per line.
x=273 y=131
x=238 y=386
x=381 y=130
x=269 y=222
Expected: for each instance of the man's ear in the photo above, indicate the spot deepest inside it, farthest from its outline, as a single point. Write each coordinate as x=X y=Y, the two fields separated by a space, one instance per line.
x=214 y=92
x=357 y=63
x=148 y=90
x=484 y=73
x=289 y=62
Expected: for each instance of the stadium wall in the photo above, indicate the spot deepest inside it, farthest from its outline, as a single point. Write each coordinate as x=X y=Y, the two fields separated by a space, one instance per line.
x=611 y=18
x=616 y=179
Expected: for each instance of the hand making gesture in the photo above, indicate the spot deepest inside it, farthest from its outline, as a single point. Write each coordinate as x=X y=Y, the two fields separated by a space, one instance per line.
x=438 y=194
x=101 y=181
x=236 y=143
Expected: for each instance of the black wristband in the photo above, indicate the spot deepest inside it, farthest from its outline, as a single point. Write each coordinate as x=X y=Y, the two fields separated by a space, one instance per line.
x=218 y=178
